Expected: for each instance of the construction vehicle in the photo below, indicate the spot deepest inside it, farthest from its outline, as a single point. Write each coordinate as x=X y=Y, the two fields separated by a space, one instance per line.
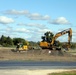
x=54 y=44
x=25 y=47
x=21 y=47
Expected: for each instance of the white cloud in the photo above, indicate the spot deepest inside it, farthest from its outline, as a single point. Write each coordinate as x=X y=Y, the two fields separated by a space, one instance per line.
x=32 y=35
x=60 y=20
x=31 y=16
x=43 y=30
x=22 y=30
x=74 y=31
x=5 y=20
x=16 y=12
x=74 y=35
x=36 y=34
x=9 y=29
x=46 y=17
x=36 y=25
x=37 y=16
x=34 y=38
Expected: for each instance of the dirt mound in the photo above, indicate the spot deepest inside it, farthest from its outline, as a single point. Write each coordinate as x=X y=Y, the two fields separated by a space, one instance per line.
x=36 y=55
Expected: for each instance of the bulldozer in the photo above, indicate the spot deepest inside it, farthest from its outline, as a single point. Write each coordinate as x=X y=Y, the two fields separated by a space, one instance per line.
x=22 y=47
x=25 y=47
x=53 y=44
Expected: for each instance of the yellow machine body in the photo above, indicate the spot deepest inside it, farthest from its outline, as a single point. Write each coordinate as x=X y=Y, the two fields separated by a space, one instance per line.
x=44 y=44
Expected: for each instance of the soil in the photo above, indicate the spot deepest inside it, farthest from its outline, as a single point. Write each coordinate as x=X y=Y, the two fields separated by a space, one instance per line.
x=35 y=55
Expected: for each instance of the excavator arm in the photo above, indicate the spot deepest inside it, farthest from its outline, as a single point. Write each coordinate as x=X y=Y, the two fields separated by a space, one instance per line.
x=69 y=31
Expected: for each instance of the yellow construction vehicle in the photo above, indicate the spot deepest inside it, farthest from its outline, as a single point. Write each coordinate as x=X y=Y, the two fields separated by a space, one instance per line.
x=52 y=44
x=22 y=47
x=25 y=47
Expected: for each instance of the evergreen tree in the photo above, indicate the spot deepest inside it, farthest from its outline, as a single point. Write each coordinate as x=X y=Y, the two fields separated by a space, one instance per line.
x=9 y=41
x=2 y=40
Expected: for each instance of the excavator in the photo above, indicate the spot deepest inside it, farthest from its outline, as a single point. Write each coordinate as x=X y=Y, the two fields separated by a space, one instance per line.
x=53 y=44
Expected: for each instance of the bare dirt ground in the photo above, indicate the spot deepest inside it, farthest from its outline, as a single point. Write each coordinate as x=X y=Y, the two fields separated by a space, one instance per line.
x=36 y=55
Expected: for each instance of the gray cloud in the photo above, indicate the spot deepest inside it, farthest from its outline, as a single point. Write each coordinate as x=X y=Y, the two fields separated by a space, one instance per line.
x=16 y=12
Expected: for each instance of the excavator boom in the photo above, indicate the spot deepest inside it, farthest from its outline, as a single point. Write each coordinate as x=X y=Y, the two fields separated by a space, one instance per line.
x=69 y=31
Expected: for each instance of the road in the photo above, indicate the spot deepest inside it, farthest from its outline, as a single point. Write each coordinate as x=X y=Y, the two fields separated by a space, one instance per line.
x=36 y=65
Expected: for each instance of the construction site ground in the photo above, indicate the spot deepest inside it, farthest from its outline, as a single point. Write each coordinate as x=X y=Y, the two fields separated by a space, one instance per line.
x=36 y=55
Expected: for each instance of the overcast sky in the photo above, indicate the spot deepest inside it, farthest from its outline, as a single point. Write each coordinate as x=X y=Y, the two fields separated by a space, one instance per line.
x=30 y=19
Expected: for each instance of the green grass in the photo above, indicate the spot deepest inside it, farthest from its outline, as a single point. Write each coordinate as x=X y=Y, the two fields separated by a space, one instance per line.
x=64 y=73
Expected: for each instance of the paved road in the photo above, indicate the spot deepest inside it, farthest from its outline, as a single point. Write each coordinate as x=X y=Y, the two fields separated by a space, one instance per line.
x=36 y=65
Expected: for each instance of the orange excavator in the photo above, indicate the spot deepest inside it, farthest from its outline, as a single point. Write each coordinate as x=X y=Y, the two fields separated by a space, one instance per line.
x=52 y=44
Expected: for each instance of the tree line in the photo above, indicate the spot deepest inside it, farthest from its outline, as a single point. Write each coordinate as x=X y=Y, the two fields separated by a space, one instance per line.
x=8 y=41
